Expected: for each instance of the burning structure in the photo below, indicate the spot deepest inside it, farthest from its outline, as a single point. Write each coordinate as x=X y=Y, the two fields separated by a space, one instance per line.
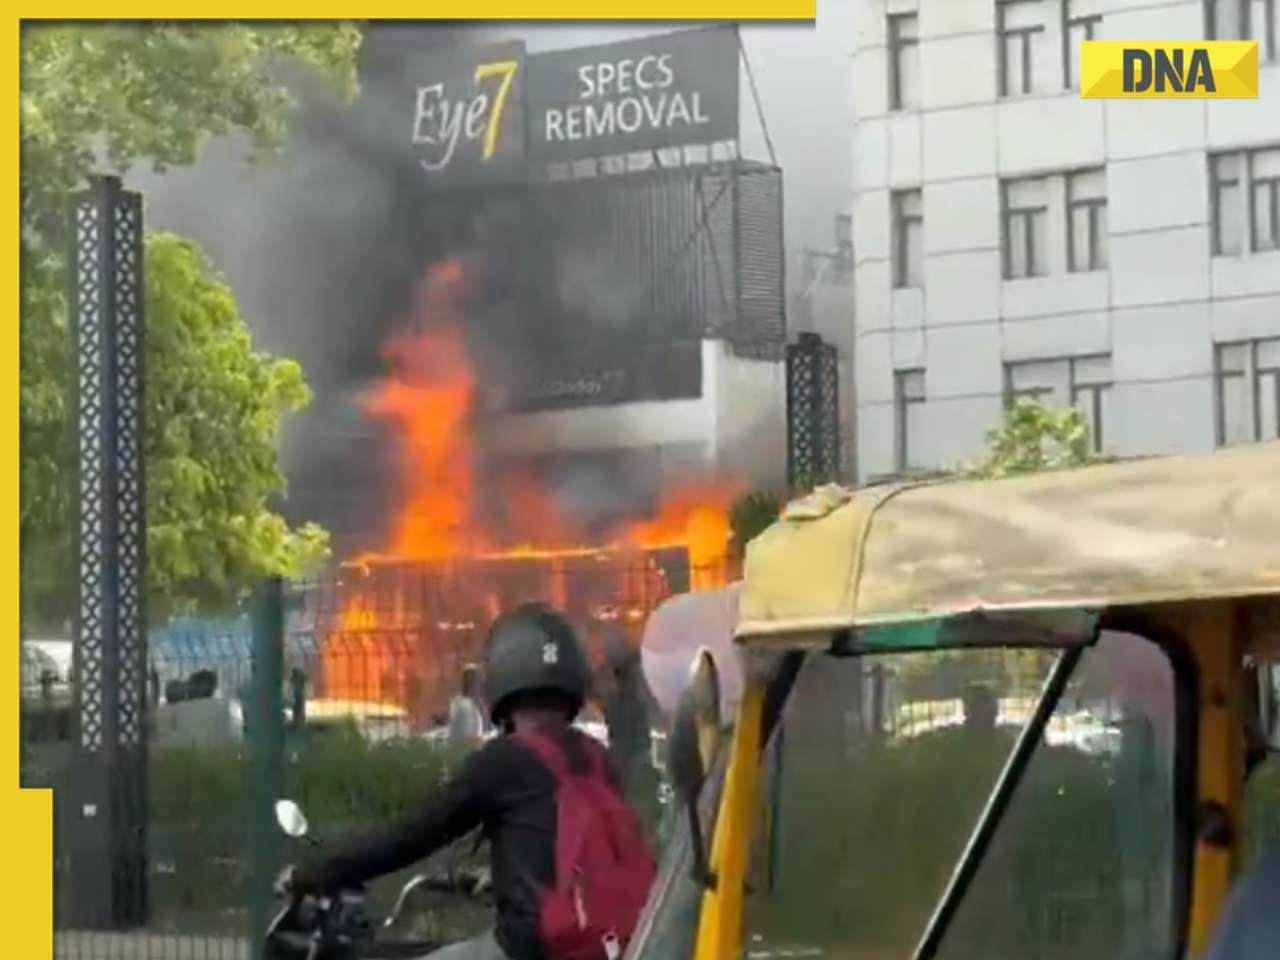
x=587 y=372
x=467 y=539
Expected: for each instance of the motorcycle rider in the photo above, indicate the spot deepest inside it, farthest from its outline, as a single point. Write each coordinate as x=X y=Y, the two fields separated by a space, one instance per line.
x=536 y=678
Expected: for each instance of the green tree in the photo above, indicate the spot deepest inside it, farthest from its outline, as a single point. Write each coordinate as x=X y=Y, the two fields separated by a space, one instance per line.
x=155 y=94
x=1035 y=436
x=216 y=406
x=114 y=97
x=750 y=515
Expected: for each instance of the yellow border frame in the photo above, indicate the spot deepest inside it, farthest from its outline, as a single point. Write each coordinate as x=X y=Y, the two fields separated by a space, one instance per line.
x=580 y=10
x=26 y=816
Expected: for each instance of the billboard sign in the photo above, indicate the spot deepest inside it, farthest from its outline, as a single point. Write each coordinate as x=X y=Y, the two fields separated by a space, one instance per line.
x=637 y=95
x=478 y=114
x=467 y=111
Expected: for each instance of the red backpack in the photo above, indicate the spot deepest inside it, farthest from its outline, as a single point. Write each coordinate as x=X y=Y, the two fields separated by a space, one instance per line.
x=603 y=865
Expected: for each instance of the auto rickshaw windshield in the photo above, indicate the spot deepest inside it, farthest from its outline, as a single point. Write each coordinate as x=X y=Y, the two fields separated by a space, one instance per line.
x=882 y=766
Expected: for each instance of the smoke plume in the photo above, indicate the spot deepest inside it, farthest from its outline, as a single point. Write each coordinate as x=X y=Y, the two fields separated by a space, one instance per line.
x=324 y=245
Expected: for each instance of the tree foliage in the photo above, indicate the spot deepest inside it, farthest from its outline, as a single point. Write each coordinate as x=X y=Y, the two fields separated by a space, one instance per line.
x=1034 y=437
x=215 y=405
x=155 y=94
x=750 y=515
x=112 y=97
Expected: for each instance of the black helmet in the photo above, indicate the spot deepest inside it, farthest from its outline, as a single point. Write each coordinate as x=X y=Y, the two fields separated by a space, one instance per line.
x=533 y=648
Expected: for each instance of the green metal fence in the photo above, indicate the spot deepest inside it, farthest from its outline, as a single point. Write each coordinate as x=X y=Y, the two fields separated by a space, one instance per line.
x=289 y=699
x=881 y=778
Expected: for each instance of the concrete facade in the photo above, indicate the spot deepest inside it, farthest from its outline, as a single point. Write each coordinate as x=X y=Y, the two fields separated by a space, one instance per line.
x=736 y=427
x=1012 y=238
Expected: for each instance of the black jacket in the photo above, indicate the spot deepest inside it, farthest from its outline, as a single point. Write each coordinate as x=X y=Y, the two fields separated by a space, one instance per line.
x=503 y=787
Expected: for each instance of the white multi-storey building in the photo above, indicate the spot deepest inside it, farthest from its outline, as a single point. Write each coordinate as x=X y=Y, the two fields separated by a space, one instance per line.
x=1013 y=239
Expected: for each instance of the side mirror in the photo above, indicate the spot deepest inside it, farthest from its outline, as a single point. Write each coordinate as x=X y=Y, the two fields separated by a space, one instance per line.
x=695 y=739
x=291 y=818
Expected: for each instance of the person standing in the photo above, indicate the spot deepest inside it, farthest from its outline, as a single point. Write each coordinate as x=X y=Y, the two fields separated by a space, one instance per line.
x=466 y=718
x=628 y=708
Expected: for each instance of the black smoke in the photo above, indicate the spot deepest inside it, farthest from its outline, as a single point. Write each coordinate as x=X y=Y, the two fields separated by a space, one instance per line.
x=323 y=246
x=326 y=243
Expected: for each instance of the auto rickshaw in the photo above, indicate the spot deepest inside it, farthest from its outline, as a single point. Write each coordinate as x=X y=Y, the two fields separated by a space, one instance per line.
x=1121 y=621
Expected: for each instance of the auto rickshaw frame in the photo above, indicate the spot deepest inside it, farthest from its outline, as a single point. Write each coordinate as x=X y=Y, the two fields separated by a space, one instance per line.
x=1184 y=550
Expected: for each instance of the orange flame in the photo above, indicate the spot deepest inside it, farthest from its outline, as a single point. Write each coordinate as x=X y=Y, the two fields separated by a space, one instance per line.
x=428 y=399
x=696 y=517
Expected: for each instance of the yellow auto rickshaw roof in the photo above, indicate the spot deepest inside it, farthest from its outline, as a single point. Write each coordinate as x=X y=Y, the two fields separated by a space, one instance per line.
x=1145 y=531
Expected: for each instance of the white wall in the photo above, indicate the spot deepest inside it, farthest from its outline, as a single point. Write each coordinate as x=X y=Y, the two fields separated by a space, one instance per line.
x=750 y=415
x=1157 y=310
x=738 y=425
x=615 y=427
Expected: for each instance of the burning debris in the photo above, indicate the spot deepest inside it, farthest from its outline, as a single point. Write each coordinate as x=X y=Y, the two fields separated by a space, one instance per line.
x=406 y=618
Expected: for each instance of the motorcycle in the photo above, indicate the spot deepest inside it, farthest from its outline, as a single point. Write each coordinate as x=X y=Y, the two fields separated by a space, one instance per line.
x=339 y=927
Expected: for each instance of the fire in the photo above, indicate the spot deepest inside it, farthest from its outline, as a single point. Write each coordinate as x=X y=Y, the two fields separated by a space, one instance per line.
x=479 y=562
x=696 y=517
x=354 y=666
x=428 y=398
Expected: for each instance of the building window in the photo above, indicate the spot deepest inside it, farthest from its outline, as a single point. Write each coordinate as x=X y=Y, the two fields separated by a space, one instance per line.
x=1226 y=19
x=1224 y=175
x=1245 y=20
x=1246 y=201
x=1083 y=382
x=904 y=61
x=1025 y=219
x=908 y=238
x=1090 y=384
x=1247 y=375
x=1020 y=25
x=908 y=400
x=1264 y=199
x=1264 y=26
x=1036 y=380
x=1077 y=27
x=1087 y=220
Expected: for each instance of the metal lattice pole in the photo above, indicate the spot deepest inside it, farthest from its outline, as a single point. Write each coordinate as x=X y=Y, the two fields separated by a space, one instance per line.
x=108 y=850
x=813 y=412
x=827 y=415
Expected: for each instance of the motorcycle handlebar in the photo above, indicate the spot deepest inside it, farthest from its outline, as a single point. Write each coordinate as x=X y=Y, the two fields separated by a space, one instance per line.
x=448 y=885
x=305 y=921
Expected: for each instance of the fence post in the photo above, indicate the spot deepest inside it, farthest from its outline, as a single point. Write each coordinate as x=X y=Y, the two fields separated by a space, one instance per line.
x=264 y=769
x=298 y=698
